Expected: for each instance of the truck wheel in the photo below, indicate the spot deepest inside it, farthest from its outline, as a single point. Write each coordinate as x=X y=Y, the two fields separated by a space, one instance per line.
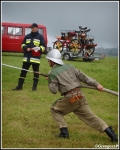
x=67 y=57
x=74 y=47
x=58 y=45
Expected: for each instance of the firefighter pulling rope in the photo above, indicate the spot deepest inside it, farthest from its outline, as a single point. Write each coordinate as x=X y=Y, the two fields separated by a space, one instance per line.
x=82 y=86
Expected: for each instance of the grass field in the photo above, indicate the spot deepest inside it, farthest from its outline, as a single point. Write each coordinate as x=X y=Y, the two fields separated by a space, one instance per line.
x=26 y=118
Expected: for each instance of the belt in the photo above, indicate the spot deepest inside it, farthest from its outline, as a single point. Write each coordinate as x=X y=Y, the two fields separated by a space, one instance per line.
x=75 y=93
x=72 y=91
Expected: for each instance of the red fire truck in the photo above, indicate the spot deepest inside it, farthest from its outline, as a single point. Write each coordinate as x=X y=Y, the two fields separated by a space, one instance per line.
x=13 y=34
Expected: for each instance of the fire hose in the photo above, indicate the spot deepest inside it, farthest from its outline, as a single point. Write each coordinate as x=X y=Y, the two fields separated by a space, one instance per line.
x=81 y=86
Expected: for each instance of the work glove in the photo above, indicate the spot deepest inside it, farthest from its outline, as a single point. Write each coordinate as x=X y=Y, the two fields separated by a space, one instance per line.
x=36 y=49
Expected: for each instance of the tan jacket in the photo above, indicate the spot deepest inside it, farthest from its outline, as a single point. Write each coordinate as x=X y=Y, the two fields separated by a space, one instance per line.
x=65 y=77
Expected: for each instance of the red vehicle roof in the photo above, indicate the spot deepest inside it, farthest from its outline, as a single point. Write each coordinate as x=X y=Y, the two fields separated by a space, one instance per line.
x=21 y=24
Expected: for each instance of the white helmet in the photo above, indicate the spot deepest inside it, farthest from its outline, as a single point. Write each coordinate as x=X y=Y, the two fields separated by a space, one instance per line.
x=55 y=56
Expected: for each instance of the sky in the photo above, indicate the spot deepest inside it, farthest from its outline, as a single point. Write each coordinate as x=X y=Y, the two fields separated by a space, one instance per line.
x=102 y=18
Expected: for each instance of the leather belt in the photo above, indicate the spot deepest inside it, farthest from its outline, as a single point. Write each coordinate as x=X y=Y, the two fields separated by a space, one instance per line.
x=72 y=91
x=74 y=95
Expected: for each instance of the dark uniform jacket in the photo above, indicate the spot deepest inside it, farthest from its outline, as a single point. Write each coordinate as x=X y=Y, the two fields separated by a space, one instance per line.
x=34 y=39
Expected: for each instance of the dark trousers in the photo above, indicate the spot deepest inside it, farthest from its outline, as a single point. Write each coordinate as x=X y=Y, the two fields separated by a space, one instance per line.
x=26 y=65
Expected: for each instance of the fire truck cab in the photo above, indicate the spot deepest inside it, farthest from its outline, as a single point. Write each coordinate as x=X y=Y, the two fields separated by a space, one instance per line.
x=14 y=33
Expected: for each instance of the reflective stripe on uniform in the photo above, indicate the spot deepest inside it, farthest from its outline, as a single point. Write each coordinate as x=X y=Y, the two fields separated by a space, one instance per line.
x=24 y=59
x=28 y=40
x=36 y=42
x=22 y=45
x=35 y=60
x=43 y=48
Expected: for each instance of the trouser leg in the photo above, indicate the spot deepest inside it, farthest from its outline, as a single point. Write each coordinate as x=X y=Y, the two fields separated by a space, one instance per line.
x=36 y=76
x=60 y=108
x=58 y=117
x=22 y=76
x=85 y=114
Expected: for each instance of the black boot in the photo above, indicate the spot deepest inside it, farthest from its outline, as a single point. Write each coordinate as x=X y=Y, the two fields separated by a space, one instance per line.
x=20 y=84
x=35 y=82
x=111 y=134
x=64 y=133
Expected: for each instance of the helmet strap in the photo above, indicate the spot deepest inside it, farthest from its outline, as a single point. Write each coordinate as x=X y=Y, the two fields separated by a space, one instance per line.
x=51 y=63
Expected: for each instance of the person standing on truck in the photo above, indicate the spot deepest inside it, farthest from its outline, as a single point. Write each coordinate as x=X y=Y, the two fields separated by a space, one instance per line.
x=67 y=79
x=33 y=46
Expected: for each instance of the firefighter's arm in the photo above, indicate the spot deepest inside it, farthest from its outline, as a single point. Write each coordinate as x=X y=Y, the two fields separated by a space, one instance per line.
x=52 y=84
x=42 y=45
x=23 y=45
x=53 y=87
x=86 y=79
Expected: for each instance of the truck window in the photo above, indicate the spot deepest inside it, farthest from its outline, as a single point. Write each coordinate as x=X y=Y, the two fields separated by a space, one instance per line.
x=28 y=30
x=14 y=31
x=40 y=31
x=2 y=29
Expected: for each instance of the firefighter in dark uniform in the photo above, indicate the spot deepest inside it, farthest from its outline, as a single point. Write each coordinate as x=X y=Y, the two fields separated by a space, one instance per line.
x=67 y=79
x=33 y=46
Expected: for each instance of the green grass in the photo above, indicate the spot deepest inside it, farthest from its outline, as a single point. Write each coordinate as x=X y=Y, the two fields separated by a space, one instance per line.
x=26 y=117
